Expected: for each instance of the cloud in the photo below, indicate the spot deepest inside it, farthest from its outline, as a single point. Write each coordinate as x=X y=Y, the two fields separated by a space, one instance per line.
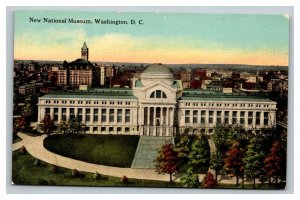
x=117 y=47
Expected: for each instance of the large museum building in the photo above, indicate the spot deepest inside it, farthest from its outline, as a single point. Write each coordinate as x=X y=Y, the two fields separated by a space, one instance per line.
x=155 y=105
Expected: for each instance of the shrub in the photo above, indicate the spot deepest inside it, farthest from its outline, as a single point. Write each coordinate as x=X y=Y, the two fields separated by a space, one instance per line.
x=124 y=180
x=75 y=173
x=209 y=181
x=97 y=175
x=36 y=162
x=42 y=182
x=53 y=169
x=22 y=150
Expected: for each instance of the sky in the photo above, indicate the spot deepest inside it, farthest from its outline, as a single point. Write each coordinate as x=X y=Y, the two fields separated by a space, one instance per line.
x=169 y=38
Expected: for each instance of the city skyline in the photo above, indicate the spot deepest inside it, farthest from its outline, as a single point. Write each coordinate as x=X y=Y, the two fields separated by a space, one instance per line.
x=164 y=38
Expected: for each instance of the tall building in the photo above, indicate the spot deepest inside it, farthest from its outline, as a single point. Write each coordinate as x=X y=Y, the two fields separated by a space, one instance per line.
x=156 y=105
x=77 y=72
x=85 y=52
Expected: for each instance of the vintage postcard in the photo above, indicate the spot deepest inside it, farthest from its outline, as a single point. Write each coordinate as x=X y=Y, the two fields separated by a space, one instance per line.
x=181 y=100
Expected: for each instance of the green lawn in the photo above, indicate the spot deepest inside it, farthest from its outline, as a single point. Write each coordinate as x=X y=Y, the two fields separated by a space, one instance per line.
x=24 y=172
x=110 y=150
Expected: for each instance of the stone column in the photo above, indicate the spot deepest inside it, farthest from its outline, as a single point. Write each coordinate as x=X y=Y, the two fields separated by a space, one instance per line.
x=238 y=117
x=214 y=118
x=172 y=117
x=107 y=116
x=222 y=117
x=230 y=117
x=115 y=116
x=83 y=115
x=154 y=121
x=51 y=112
x=99 y=115
x=59 y=114
x=68 y=114
x=199 y=117
x=254 y=119
x=91 y=115
x=148 y=116
x=167 y=117
x=161 y=119
x=261 y=119
x=246 y=119
x=76 y=112
x=206 y=117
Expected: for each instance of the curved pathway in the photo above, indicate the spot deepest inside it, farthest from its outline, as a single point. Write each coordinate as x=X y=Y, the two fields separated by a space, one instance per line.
x=35 y=147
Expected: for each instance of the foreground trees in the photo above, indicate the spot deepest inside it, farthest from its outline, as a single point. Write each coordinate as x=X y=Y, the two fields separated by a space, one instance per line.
x=274 y=162
x=48 y=125
x=167 y=161
x=234 y=161
x=254 y=160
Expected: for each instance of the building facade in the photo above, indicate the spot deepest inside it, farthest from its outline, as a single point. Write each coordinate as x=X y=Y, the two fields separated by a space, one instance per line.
x=156 y=105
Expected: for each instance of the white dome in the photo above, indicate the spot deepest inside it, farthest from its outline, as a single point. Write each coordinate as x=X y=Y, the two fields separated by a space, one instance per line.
x=157 y=72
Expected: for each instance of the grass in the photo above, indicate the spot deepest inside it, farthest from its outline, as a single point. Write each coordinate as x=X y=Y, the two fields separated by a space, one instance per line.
x=16 y=138
x=24 y=172
x=259 y=186
x=110 y=150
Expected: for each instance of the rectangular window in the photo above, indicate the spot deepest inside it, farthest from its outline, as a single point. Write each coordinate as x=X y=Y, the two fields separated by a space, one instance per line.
x=80 y=114
x=250 y=118
x=127 y=115
x=187 y=116
x=103 y=116
x=55 y=114
x=47 y=111
x=226 y=117
x=257 y=119
x=242 y=118
x=119 y=116
x=103 y=129
x=266 y=120
x=72 y=113
x=234 y=117
x=96 y=113
x=111 y=115
x=195 y=116
x=203 y=117
x=88 y=115
x=219 y=121
x=210 y=117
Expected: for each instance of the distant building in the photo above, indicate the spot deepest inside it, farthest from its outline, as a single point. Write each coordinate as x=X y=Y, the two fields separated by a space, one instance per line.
x=27 y=89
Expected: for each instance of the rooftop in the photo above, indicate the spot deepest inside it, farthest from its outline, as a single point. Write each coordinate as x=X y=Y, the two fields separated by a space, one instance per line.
x=220 y=96
x=95 y=93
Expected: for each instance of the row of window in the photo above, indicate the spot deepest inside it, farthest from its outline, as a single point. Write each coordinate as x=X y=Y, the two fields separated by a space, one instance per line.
x=229 y=105
x=199 y=117
x=88 y=102
x=104 y=129
x=106 y=115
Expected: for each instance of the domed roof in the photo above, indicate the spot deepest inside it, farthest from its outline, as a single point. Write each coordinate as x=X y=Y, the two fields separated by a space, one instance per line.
x=157 y=69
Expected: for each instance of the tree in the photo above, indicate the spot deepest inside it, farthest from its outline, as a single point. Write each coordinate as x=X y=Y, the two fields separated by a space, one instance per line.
x=63 y=126
x=273 y=162
x=183 y=148
x=48 y=125
x=199 y=155
x=217 y=162
x=253 y=160
x=209 y=181
x=75 y=126
x=189 y=179
x=166 y=161
x=223 y=138
x=22 y=123
x=234 y=161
